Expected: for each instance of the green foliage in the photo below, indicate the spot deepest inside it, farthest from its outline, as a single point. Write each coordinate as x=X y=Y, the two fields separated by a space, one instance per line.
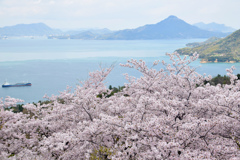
x=238 y=75
x=237 y=142
x=111 y=91
x=1 y=123
x=101 y=154
x=43 y=102
x=224 y=50
x=220 y=80
x=11 y=155
x=18 y=108
x=195 y=44
x=27 y=135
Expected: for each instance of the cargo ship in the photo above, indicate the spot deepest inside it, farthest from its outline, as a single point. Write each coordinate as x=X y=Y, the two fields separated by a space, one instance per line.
x=6 y=84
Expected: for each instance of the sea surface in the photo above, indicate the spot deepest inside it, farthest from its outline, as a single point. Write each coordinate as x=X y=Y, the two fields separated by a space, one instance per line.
x=52 y=64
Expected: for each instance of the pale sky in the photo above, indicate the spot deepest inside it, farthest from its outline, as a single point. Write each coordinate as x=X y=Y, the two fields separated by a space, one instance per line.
x=116 y=14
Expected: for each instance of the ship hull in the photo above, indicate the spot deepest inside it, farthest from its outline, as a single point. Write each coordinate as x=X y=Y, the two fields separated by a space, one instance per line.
x=17 y=85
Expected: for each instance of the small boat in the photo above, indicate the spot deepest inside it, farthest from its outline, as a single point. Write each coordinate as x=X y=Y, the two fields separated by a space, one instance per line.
x=6 y=84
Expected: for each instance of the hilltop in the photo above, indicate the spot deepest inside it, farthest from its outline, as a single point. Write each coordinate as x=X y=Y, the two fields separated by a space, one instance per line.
x=169 y=28
x=222 y=50
x=195 y=44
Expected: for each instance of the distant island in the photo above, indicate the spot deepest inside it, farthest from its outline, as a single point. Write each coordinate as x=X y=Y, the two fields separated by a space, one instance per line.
x=34 y=29
x=219 y=50
x=169 y=28
x=214 y=27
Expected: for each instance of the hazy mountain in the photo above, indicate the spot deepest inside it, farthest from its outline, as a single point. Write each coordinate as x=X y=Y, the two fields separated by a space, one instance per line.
x=34 y=29
x=84 y=35
x=169 y=28
x=93 y=31
x=223 y=50
x=214 y=27
x=88 y=34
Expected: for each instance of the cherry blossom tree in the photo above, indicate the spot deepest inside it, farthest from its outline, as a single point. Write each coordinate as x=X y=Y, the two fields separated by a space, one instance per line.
x=167 y=113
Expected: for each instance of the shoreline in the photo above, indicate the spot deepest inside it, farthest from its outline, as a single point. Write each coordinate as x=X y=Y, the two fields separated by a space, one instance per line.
x=206 y=61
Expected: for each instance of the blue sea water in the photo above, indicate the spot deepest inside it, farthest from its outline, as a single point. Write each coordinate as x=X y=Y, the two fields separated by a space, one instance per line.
x=51 y=65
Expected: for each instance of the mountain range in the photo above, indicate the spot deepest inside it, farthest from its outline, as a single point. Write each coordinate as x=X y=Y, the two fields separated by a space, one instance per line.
x=221 y=50
x=169 y=28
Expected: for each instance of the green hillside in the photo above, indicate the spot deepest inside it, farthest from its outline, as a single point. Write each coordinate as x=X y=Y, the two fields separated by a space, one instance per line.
x=222 y=50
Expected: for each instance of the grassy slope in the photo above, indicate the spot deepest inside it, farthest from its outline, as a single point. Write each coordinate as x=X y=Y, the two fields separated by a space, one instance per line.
x=226 y=49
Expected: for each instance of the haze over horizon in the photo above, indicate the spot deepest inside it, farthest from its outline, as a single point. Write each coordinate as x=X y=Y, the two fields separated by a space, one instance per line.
x=118 y=14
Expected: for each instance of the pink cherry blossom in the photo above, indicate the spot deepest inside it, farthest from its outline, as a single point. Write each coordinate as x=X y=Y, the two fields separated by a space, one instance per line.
x=167 y=113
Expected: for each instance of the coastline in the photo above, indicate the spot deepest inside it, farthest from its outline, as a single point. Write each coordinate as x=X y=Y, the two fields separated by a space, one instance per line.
x=216 y=61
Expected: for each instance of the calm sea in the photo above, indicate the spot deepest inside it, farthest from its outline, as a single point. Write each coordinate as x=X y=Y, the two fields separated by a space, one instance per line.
x=51 y=65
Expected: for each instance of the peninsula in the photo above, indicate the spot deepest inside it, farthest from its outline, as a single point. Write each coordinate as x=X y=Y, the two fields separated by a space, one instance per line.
x=221 y=50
